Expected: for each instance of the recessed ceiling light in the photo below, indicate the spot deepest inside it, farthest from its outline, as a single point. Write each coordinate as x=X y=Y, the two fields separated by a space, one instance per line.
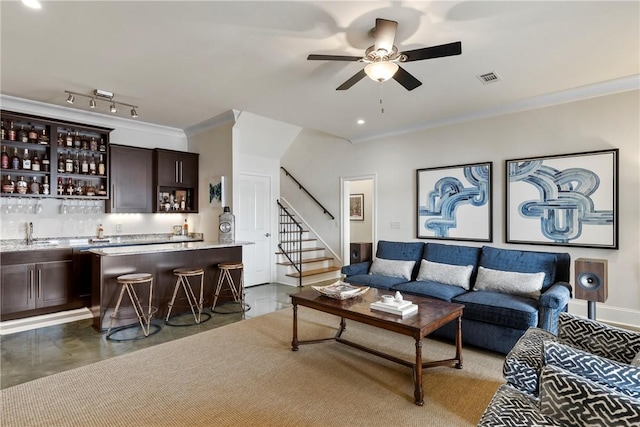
x=33 y=4
x=360 y=121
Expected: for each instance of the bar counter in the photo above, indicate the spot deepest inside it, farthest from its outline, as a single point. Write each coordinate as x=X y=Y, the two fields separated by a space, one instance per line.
x=159 y=260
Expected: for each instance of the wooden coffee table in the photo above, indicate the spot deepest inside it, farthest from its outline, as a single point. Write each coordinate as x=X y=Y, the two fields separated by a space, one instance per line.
x=432 y=314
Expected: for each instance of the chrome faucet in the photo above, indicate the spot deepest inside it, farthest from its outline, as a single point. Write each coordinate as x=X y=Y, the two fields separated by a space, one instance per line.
x=30 y=234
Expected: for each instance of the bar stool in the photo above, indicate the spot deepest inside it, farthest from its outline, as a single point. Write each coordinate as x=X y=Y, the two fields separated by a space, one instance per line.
x=225 y=278
x=128 y=282
x=183 y=275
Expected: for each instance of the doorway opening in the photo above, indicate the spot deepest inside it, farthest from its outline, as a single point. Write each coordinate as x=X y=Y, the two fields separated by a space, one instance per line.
x=358 y=218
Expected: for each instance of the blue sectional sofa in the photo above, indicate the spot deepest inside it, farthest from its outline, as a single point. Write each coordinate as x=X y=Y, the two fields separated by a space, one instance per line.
x=504 y=291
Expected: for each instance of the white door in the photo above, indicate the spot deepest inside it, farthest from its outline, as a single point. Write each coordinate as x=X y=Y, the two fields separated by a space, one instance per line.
x=253 y=224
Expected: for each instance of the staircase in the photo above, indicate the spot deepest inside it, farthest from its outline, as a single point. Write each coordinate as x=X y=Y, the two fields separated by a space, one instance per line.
x=302 y=259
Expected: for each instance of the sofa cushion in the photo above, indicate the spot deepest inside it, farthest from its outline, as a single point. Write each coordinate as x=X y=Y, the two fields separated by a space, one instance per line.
x=401 y=251
x=619 y=376
x=511 y=408
x=521 y=262
x=501 y=309
x=430 y=290
x=598 y=338
x=374 y=281
x=452 y=254
x=577 y=401
x=392 y=268
x=510 y=282
x=457 y=275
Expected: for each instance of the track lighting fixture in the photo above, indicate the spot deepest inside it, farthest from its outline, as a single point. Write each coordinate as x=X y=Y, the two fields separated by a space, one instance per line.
x=102 y=95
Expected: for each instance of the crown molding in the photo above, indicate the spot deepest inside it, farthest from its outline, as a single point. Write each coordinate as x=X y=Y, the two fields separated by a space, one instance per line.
x=220 y=119
x=610 y=87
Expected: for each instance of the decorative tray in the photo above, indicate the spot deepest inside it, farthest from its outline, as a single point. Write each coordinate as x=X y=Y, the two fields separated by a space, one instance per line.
x=341 y=290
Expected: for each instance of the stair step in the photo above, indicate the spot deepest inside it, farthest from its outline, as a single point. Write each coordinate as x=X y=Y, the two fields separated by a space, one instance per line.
x=294 y=241
x=302 y=250
x=313 y=272
x=307 y=261
x=294 y=231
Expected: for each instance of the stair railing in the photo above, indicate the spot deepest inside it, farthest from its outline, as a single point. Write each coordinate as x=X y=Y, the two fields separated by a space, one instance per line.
x=290 y=240
x=301 y=187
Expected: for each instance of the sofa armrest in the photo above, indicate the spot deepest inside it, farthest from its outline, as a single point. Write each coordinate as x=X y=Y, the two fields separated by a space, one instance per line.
x=356 y=269
x=553 y=302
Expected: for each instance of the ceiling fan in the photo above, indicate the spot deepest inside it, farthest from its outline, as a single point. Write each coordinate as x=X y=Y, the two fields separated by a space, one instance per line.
x=383 y=57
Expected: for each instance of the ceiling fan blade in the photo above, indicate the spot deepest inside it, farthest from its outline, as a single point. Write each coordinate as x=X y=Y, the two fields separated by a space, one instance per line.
x=449 y=49
x=385 y=34
x=403 y=77
x=313 y=57
x=353 y=80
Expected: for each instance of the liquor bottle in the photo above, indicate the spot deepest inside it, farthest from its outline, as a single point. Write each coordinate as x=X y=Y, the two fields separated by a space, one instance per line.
x=85 y=143
x=43 y=138
x=60 y=187
x=23 y=135
x=61 y=163
x=101 y=168
x=69 y=189
x=92 y=165
x=34 y=186
x=26 y=161
x=76 y=164
x=45 y=186
x=11 y=133
x=93 y=144
x=21 y=186
x=80 y=188
x=8 y=186
x=33 y=135
x=100 y=232
x=4 y=131
x=101 y=191
x=90 y=190
x=185 y=228
x=85 y=165
x=68 y=163
x=61 y=140
x=5 y=158
x=103 y=147
x=69 y=139
x=15 y=160
x=35 y=162
x=77 y=142
x=45 y=163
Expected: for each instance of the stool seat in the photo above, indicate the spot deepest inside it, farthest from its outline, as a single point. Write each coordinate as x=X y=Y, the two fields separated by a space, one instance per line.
x=134 y=278
x=188 y=271
x=230 y=265
x=195 y=303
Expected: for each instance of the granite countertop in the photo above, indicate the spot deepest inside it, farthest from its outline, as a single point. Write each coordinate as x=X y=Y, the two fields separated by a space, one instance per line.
x=149 y=249
x=84 y=243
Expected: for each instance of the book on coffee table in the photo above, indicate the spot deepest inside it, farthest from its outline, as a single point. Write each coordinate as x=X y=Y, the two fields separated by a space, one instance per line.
x=400 y=308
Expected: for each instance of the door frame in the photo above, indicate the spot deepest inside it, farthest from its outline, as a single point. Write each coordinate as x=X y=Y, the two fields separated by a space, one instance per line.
x=345 y=222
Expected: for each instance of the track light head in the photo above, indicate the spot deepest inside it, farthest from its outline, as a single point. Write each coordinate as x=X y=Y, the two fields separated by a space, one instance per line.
x=113 y=108
x=70 y=99
x=134 y=113
x=92 y=104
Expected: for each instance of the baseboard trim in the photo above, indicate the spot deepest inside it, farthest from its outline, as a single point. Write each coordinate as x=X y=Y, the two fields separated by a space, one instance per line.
x=34 y=322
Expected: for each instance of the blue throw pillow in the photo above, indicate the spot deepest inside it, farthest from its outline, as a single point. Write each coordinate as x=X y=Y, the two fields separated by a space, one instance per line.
x=521 y=262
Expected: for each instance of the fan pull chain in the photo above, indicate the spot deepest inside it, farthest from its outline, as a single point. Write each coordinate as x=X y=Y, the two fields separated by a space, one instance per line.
x=381 y=93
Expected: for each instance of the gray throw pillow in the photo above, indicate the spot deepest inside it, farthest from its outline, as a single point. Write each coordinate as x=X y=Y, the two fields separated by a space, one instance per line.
x=456 y=275
x=509 y=282
x=392 y=268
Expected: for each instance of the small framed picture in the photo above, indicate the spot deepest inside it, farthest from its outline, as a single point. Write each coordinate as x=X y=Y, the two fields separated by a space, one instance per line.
x=356 y=207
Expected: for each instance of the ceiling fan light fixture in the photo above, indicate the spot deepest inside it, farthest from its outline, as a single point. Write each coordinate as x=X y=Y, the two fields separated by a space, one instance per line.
x=381 y=71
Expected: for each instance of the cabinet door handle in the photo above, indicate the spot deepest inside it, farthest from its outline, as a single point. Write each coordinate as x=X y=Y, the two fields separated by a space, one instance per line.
x=39 y=283
x=176 y=171
x=30 y=284
x=113 y=196
x=180 y=171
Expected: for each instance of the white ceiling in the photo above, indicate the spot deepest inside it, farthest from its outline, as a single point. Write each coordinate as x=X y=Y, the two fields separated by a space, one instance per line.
x=183 y=62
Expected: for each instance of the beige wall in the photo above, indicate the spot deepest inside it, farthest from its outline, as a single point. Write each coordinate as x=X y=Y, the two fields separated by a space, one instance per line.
x=360 y=231
x=594 y=124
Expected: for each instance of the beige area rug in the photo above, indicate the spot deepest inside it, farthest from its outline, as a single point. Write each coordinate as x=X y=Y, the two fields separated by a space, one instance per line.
x=245 y=374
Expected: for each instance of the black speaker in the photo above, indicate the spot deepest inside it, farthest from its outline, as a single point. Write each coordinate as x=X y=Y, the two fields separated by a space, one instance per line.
x=360 y=252
x=591 y=279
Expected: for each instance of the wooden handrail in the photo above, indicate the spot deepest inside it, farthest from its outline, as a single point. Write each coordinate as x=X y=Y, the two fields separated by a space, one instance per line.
x=301 y=187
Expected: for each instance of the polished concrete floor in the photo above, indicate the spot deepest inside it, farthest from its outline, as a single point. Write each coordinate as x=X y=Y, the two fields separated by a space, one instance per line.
x=26 y=356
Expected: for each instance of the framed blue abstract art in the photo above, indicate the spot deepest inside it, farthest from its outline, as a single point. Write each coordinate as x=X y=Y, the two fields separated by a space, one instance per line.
x=454 y=202
x=564 y=200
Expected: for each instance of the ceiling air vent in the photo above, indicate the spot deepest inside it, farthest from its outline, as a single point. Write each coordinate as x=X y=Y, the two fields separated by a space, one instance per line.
x=491 y=77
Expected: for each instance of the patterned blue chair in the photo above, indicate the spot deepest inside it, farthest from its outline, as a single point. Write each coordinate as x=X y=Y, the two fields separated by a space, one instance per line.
x=588 y=375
